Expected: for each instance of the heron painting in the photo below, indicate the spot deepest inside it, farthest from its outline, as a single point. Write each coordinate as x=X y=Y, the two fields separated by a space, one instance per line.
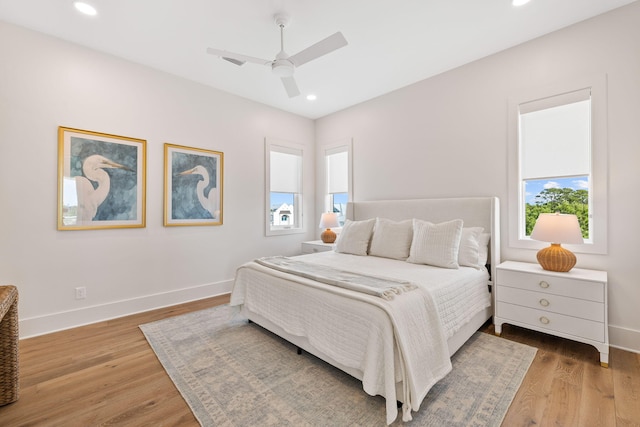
x=93 y=187
x=102 y=180
x=193 y=183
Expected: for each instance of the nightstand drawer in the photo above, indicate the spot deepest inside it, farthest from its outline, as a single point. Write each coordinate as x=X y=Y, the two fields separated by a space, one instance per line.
x=545 y=321
x=569 y=287
x=584 y=309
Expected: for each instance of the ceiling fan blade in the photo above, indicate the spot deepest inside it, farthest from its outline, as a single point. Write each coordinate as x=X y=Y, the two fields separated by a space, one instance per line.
x=290 y=86
x=331 y=43
x=236 y=58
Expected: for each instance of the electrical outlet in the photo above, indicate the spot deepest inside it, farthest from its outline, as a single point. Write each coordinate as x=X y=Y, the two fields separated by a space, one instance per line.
x=81 y=292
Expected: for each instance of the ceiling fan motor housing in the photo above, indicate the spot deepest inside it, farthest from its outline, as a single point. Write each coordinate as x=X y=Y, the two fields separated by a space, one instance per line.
x=282 y=68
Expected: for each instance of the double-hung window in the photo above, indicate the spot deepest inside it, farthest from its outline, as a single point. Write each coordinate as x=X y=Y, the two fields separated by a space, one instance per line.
x=283 y=187
x=555 y=158
x=337 y=161
x=559 y=163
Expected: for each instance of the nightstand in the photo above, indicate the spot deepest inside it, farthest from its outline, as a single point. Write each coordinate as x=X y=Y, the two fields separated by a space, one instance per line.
x=571 y=305
x=316 y=246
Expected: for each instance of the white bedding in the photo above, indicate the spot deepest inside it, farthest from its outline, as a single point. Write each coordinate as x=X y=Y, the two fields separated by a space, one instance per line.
x=458 y=293
x=361 y=336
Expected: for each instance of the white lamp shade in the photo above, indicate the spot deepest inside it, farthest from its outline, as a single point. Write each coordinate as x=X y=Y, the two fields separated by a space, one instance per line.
x=557 y=228
x=329 y=220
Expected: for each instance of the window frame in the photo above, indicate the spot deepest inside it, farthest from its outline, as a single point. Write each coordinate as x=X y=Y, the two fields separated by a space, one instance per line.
x=345 y=145
x=273 y=145
x=598 y=209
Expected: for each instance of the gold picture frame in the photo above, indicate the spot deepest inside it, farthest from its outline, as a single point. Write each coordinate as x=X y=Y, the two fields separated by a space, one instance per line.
x=193 y=183
x=101 y=180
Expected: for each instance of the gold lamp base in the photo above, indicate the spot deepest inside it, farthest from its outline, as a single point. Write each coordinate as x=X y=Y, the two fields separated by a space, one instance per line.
x=328 y=236
x=556 y=258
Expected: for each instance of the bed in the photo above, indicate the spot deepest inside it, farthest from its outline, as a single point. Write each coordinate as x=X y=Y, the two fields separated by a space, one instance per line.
x=398 y=338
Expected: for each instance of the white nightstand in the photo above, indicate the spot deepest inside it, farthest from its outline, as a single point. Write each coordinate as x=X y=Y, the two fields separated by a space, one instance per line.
x=316 y=246
x=571 y=305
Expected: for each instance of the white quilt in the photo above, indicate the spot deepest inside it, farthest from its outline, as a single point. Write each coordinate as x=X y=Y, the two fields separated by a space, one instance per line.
x=403 y=340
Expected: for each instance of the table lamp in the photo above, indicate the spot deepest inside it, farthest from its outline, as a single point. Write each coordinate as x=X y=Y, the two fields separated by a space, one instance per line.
x=327 y=221
x=557 y=228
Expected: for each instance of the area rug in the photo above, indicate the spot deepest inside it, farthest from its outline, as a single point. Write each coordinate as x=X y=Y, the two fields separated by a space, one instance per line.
x=234 y=373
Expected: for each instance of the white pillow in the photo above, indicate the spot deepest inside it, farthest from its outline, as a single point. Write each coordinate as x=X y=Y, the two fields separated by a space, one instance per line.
x=483 y=249
x=391 y=239
x=354 y=237
x=469 y=252
x=436 y=244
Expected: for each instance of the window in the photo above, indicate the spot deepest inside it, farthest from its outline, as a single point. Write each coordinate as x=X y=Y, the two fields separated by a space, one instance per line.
x=283 y=187
x=337 y=159
x=558 y=163
x=555 y=158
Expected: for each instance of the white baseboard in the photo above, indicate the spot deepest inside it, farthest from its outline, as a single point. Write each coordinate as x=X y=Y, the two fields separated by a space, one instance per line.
x=624 y=338
x=40 y=325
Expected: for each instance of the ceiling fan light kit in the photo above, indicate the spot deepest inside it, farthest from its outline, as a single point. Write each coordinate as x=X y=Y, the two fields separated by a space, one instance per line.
x=282 y=68
x=284 y=65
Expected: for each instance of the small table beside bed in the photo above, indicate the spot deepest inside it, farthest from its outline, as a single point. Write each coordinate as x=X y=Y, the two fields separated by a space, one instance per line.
x=406 y=286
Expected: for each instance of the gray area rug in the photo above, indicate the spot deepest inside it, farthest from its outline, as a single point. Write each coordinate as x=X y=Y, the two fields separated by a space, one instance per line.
x=232 y=373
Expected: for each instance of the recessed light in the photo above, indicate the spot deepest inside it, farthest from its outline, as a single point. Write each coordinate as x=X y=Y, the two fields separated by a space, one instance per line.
x=519 y=2
x=311 y=97
x=85 y=8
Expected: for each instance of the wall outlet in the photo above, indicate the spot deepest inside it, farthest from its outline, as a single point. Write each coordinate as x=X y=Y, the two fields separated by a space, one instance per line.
x=81 y=292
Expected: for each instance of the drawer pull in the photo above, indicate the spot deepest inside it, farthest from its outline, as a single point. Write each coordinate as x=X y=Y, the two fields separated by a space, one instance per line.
x=544 y=320
x=544 y=284
x=544 y=302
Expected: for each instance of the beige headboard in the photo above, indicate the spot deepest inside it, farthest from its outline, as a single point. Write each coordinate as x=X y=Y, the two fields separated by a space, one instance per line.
x=474 y=211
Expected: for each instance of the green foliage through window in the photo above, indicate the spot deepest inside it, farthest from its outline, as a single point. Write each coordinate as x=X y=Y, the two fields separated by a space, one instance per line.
x=562 y=200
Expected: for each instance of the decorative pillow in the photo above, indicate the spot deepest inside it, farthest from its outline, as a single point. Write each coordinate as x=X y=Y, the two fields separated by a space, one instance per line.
x=483 y=249
x=436 y=244
x=469 y=252
x=391 y=239
x=354 y=237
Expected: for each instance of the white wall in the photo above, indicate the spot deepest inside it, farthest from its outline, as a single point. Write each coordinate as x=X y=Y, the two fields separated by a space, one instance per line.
x=447 y=136
x=46 y=83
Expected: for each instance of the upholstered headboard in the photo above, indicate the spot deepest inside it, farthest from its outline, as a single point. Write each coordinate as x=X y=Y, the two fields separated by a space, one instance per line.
x=473 y=211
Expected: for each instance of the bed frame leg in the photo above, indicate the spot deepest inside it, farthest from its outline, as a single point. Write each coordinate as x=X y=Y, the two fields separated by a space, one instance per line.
x=249 y=321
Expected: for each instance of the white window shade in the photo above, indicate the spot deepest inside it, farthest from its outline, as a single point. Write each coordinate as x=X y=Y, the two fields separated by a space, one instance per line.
x=555 y=139
x=285 y=170
x=338 y=172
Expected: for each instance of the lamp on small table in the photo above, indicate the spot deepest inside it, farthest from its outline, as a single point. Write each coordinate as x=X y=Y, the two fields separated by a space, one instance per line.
x=557 y=228
x=327 y=221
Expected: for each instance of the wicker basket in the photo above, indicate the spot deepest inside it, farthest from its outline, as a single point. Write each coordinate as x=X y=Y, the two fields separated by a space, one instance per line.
x=9 y=380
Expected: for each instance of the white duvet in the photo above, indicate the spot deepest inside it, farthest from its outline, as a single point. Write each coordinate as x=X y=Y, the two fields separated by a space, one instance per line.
x=386 y=342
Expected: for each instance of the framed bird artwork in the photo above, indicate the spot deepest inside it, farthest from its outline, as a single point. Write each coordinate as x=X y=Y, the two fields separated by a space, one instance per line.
x=101 y=180
x=193 y=186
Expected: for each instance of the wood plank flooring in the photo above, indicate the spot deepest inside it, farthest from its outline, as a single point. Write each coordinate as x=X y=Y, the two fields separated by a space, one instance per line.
x=106 y=374
x=566 y=386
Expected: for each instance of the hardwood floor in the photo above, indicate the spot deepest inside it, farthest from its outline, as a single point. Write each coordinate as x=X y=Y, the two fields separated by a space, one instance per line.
x=566 y=386
x=106 y=374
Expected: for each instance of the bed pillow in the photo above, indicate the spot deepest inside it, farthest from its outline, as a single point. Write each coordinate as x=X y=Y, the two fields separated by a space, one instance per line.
x=391 y=239
x=354 y=237
x=469 y=252
x=436 y=244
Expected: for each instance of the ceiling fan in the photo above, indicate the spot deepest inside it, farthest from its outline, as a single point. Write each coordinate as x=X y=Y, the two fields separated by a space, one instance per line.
x=284 y=65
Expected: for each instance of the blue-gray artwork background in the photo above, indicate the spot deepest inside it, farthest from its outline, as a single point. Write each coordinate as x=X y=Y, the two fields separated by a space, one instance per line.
x=121 y=203
x=184 y=199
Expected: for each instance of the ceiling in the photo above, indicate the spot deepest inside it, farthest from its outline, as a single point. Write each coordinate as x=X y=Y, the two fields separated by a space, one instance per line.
x=392 y=43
